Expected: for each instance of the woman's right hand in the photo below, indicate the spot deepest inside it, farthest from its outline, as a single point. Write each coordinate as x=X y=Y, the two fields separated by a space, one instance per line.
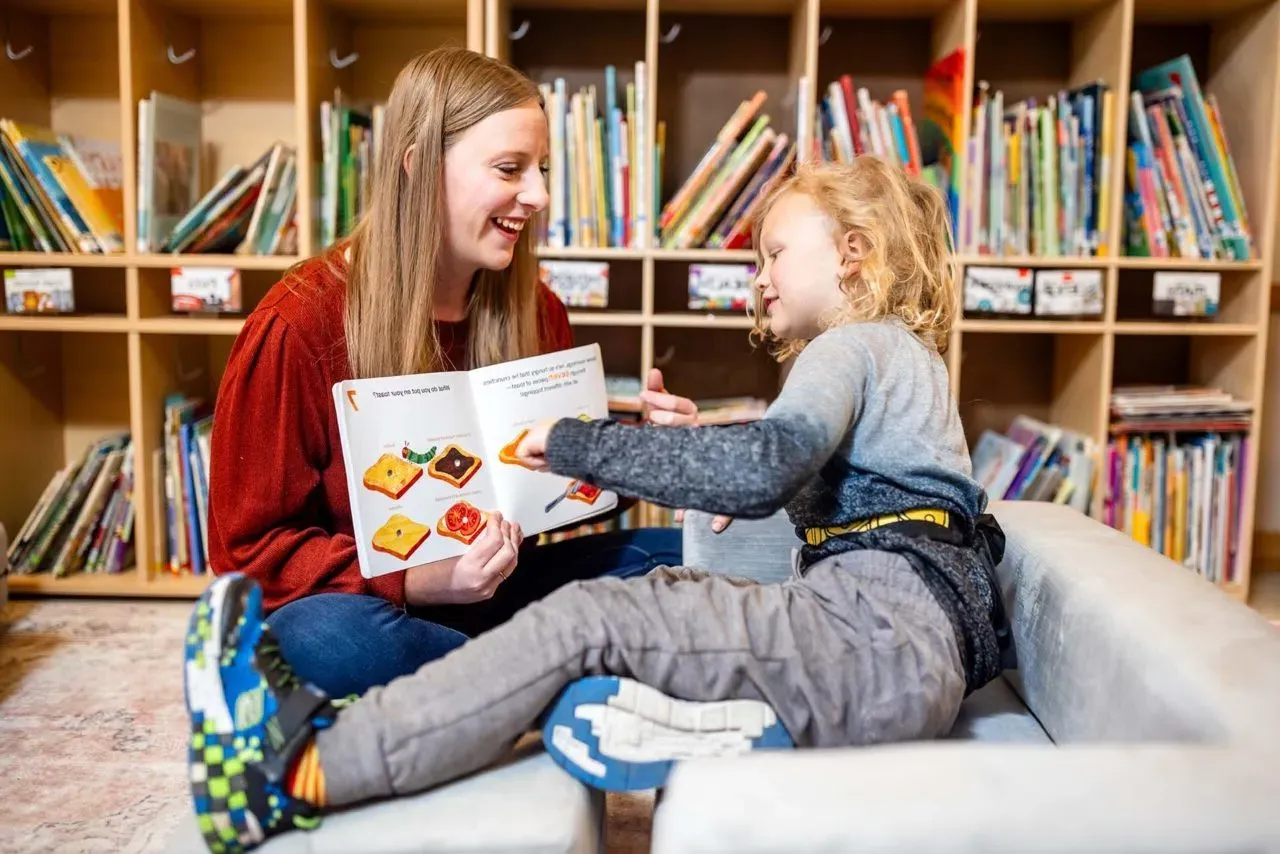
x=473 y=576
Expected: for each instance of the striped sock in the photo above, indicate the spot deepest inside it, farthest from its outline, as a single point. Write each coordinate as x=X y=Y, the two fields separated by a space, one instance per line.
x=306 y=779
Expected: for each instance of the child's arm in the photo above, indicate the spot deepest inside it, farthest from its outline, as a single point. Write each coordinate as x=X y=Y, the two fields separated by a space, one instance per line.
x=745 y=470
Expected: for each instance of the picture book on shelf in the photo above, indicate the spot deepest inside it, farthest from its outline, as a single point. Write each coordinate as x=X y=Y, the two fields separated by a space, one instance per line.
x=430 y=457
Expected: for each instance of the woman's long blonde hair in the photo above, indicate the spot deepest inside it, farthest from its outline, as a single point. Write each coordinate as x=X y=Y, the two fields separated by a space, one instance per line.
x=909 y=270
x=395 y=248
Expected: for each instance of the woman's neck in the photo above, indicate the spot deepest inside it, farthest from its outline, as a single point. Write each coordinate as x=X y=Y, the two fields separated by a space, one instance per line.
x=453 y=287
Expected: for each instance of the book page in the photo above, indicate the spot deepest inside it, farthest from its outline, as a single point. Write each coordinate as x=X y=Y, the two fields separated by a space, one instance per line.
x=511 y=397
x=416 y=470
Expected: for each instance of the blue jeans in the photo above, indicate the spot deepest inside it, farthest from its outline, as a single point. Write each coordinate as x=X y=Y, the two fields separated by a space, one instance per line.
x=347 y=643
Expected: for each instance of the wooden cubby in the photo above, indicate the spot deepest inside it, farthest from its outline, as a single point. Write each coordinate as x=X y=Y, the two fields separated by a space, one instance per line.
x=260 y=71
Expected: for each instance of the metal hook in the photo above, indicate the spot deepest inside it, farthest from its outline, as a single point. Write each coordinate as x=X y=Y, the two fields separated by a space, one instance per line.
x=824 y=36
x=670 y=35
x=343 y=62
x=15 y=55
x=184 y=375
x=666 y=357
x=178 y=60
x=520 y=31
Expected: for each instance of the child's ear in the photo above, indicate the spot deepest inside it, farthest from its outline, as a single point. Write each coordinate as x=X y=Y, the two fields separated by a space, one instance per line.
x=853 y=248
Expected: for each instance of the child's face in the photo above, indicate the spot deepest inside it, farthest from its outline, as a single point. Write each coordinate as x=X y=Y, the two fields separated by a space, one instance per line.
x=802 y=267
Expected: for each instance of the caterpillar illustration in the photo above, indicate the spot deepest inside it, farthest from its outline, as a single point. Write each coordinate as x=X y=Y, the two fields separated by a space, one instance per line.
x=416 y=456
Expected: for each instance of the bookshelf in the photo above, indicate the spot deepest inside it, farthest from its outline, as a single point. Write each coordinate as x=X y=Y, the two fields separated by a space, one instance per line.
x=261 y=70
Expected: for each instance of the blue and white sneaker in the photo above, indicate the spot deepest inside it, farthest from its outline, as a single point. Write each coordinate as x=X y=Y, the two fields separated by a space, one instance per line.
x=250 y=716
x=620 y=735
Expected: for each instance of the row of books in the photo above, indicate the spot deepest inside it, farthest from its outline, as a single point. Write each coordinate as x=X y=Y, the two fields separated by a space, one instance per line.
x=601 y=163
x=1036 y=461
x=850 y=123
x=1182 y=195
x=349 y=140
x=1174 y=474
x=250 y=210
x=180 y=488
x=83 y=520
x=1037 y=173
x=59 y=192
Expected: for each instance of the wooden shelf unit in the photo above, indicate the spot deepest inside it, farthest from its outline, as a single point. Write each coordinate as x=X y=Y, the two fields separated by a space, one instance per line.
x=260 y=71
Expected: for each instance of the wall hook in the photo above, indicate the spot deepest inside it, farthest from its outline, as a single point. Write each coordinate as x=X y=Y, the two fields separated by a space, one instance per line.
x=183 y=373
x=520 y=31
x=824 y=36
x=178 y=60
x=15 y=55
x=665 y=358
x=342 y=62
x=670 y=35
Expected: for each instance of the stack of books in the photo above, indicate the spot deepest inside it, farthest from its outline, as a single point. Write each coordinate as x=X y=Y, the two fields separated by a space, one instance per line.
x=1037 y=174
x=1182 y=194
x=83 y=521
x=716 y=205
x=1035 y=461
x=1174 y=473
x=349 y=138
x=58 y=192
x=600 y=164
x=251 y=210
x=180 y=488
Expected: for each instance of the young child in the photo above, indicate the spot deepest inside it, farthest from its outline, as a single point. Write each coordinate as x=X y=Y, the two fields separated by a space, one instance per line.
x=891 y=617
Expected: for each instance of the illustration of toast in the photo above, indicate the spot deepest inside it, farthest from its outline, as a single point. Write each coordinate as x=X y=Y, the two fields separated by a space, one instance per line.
x=584 y=492
x=508 y=452
x=400 y=536
x=463 y=522
x=392 y=476
x=455 y=466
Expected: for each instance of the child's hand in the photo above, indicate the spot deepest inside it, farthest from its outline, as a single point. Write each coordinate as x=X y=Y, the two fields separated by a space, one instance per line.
x=532 y=449
x=661 y=407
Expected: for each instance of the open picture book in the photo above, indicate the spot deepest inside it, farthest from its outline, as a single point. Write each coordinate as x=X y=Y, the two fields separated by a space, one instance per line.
x=429 y=457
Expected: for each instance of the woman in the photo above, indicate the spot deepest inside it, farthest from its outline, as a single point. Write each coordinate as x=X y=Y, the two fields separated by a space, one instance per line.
x=440 y=275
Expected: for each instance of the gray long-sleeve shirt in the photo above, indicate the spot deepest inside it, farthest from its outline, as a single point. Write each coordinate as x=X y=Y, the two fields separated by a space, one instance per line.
x=865 y=425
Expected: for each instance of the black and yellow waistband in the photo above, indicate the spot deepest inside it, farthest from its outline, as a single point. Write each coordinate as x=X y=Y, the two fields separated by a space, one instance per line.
x=934 y=515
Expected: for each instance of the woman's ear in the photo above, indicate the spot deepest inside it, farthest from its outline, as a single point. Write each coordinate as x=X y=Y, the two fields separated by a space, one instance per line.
x=408 y=158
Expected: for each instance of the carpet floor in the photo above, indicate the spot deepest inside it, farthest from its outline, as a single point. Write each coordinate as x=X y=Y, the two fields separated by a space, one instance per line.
x=93 y=731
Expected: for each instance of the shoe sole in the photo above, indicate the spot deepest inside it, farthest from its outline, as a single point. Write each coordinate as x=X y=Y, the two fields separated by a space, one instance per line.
x=620 y=735
x=217 y=791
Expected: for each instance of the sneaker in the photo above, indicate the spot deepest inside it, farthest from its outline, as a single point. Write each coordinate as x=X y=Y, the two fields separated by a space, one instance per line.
x=250 y=715
x=620 y=735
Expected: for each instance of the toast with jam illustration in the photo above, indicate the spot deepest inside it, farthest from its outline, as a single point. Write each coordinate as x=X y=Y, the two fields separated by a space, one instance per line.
x=400 y=536
x=508 y=452
x=454 y=466
x=392 y=476
x=463 y=522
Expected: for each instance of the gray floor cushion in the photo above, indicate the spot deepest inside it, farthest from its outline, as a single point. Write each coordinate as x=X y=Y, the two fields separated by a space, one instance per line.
x=995 y=713
x=528 y=806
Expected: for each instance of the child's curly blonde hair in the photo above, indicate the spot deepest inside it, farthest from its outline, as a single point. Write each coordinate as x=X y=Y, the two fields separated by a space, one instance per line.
x=909 y=270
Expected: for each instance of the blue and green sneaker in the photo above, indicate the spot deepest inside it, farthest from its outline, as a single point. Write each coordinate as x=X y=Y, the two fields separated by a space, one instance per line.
x=250 y=717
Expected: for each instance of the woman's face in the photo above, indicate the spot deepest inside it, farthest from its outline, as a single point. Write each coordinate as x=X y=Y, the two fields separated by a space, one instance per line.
x=493 y=184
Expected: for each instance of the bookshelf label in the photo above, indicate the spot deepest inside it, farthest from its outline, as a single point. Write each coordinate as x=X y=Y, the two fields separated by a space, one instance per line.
x=720 y=286
x=997 y=290
x=208 y=289
x=39 y=291
x=1183 y=294
x=579 y=284
x=1069 y=293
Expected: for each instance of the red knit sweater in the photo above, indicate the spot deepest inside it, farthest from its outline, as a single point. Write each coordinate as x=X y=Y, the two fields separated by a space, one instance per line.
x=278 y=504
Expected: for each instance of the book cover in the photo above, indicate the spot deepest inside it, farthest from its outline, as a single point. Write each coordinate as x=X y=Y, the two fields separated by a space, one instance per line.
x=430 y=457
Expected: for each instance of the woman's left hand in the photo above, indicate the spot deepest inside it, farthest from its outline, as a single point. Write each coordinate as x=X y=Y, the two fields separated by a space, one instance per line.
x=532 y=450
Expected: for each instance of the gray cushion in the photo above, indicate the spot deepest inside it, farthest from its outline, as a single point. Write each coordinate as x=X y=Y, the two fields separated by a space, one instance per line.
x=995 y=713
x=528 y=806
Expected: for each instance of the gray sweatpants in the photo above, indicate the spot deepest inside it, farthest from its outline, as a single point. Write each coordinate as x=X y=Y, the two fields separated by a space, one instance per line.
x=855 y=652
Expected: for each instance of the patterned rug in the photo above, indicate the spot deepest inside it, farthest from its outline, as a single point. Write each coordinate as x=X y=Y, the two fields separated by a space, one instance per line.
x=93 y=731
